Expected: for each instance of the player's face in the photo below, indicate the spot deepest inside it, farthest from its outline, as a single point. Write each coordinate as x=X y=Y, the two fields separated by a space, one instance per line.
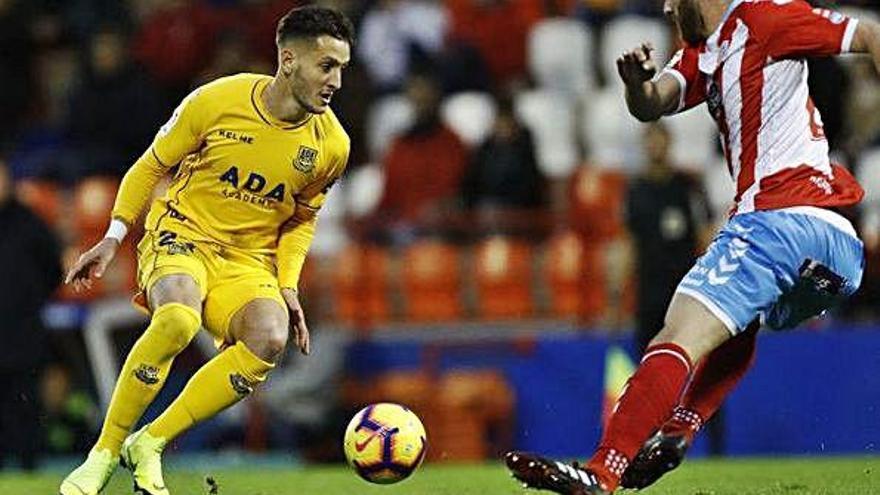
x=688 y=18
x=317 y=71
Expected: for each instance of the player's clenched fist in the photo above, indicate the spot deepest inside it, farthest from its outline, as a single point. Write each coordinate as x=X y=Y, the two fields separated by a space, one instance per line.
x=636 y=66
x=92 y=264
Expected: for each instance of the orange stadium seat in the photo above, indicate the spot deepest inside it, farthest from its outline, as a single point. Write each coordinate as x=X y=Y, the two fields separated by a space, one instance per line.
x=361 y=281
x=43 y=197
x=431 y=281
x=476 y=420
x=504 y=278
x=312 y=288
x=93 y=201
x=574 y=277
x=596 y=198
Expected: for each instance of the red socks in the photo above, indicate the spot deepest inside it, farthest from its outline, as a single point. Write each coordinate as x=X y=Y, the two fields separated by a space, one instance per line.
x=649 y=397
x=715 y=378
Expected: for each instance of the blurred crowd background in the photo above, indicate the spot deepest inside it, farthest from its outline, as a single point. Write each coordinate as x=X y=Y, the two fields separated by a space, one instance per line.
x=495 y=181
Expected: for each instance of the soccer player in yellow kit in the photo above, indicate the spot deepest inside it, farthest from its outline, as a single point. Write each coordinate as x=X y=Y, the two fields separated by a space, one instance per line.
x=224 y=246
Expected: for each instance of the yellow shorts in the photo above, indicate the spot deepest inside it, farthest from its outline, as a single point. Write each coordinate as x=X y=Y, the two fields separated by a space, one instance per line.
x=228 y=278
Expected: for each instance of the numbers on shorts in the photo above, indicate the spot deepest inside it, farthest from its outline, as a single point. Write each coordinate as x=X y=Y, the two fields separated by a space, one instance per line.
x=169 y=240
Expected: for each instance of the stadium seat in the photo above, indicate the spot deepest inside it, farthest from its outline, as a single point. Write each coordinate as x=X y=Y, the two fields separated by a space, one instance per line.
x=43 y=197
x=596 y=198
x=627 y=32
x=568 y=70
x=476 y=416
x=431 y=281
x=332 y=237
x=550 y=117
x=868 y=174
x=93 y=201
x=363 y=189
x=575 y=278
x=314 y=286
x=470 y=114
x=503 y=270
x=361 y=281
x=387 y=117
x=612 y=136
x=694 y=137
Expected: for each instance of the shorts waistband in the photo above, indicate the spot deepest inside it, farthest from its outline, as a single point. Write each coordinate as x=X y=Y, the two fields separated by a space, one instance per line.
x=829 y=216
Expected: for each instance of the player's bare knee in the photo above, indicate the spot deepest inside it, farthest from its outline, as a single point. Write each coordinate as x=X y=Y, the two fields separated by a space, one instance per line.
x=263 y=327
x=266 y=338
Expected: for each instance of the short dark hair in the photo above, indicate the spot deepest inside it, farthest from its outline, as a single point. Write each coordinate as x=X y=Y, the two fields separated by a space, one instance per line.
x=312 y=22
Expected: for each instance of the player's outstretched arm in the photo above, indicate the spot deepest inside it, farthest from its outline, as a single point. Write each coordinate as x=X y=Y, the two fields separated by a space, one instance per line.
x=91 y=264
x=867 y=40
x=134 y=192
x=647 y=99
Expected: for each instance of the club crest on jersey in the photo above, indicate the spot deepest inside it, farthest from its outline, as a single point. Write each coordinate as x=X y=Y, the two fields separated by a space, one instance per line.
x=305 y=159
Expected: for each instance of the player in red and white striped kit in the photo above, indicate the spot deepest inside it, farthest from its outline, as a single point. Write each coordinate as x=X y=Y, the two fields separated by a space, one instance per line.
x=784 y=256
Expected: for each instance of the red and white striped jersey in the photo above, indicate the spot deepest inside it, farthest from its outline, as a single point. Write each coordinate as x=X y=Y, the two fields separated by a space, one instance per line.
x=752 y=74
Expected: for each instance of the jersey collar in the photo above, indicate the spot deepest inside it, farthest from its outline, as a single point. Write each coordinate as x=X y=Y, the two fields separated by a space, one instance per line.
x=712 y=42
x=263 y=112
x=711 y=57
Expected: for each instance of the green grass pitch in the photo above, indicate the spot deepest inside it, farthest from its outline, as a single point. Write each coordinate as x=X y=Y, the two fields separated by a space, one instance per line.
x=789 y=476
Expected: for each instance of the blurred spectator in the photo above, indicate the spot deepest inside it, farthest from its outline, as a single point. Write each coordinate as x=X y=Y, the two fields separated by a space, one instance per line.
x=70 y=417
x=598 y=12
x=829 y=86
x=85 y=16
x=863 y=106
x=30 y=269
x=642 y=7
x=666 y=212
x=116 y=110
x=259 y=30
x=498 y=30
x=462 y=68
x=503 y=173
x=185 y=29
x=424 y=165
x=16 y=66
x=397 y=35
x=232 y=56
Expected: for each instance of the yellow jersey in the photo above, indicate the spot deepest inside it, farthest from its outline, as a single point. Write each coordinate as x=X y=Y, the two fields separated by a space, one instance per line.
x=245 y=179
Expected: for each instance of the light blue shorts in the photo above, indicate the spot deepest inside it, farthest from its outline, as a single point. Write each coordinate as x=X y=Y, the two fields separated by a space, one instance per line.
x=783 y=266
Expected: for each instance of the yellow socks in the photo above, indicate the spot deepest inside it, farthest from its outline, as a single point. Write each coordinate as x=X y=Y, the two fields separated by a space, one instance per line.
x=220 y=383
x=146 y=367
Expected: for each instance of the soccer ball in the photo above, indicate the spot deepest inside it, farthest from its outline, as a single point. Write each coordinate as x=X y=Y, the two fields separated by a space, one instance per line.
x=385 y=443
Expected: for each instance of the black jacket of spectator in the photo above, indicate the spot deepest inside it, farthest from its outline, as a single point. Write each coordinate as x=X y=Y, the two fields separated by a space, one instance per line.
x=30 y=270
x=504 y=173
